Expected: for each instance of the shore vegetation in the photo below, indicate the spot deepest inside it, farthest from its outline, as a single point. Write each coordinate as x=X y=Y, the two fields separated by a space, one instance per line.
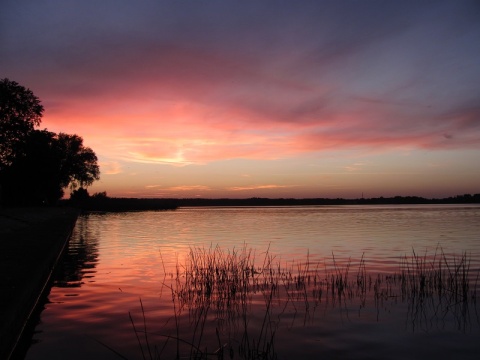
x=232 y=303
x=37 y=165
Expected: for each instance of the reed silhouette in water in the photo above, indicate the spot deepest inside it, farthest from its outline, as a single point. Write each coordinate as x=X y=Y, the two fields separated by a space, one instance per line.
x=217 y=298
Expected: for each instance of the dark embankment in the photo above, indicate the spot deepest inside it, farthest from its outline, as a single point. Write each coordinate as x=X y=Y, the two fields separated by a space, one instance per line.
x=108 y=204
x=31 y=241
x=256 y=201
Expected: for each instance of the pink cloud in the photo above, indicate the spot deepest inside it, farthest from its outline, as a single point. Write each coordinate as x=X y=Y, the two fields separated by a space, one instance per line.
x=258 y=187
x=110 y=167
x=184 y=104
x=195 y=133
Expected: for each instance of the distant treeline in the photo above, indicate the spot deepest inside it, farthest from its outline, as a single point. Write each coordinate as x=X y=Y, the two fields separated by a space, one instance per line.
x=257 y=201
x=101 y=202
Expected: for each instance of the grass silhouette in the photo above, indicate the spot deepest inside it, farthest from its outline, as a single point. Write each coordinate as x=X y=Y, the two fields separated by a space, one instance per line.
x=230 y=303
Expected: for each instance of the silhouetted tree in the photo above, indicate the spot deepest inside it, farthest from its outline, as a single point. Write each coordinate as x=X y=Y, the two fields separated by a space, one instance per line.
x=49 y=164
x=79 y=195
x=100 y=195
x=20 y=111
x=79 y=166
x=36 y=165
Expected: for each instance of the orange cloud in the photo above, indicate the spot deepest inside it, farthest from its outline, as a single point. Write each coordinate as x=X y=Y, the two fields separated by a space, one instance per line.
x=152 y=186
x=258 y=187
x=110 y=167
x=189 y=188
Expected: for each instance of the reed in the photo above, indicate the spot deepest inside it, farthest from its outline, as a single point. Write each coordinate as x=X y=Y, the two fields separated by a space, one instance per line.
x=219 y=292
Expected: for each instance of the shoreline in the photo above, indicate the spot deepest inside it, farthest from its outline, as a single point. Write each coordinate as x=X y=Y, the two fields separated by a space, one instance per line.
x=112 y=204
x=138 y=204
x=31 y=242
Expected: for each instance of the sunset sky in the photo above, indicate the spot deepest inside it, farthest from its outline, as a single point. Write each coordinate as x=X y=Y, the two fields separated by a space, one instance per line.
x=258 y=98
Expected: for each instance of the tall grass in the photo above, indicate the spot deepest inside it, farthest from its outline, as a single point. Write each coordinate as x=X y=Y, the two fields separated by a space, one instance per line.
x=230 y=303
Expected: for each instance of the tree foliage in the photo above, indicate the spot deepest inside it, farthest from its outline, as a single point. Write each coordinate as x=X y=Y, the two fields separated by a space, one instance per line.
x=36 y=165
x=78 y=166
x=20 y=111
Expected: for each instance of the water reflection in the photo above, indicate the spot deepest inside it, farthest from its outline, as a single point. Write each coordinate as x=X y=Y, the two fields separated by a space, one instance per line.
x=225 y=302
x=79 y=262
x=334 y=293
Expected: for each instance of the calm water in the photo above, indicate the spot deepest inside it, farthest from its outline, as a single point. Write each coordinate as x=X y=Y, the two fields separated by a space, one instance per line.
x=114 y=260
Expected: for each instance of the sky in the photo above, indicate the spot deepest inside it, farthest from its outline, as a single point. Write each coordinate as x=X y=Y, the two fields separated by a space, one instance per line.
x=258 y=98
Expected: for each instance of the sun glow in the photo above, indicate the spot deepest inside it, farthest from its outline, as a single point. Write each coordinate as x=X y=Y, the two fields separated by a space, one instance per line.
x=306 y=95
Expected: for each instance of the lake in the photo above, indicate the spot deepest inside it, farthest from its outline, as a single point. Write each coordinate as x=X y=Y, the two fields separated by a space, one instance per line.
x=344 y=282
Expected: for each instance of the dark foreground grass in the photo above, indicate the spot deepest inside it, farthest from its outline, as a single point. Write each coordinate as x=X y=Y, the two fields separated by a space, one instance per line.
x=230 y=303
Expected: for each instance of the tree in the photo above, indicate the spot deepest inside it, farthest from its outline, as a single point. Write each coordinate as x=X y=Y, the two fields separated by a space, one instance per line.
x=36 y=165
x=80 y=195
x=49 y=164
x=78 y=167
x=32 y=177
x=20 y=112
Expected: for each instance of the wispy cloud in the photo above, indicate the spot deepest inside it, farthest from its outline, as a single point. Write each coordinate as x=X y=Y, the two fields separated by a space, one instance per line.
x=182 y=188
x=258 y=187
x=152 y=186
x=299 y=81
x=110 y=167
x=168 y=83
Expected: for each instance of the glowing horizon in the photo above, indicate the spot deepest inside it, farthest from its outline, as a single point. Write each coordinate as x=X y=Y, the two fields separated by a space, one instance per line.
x=221 y=99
